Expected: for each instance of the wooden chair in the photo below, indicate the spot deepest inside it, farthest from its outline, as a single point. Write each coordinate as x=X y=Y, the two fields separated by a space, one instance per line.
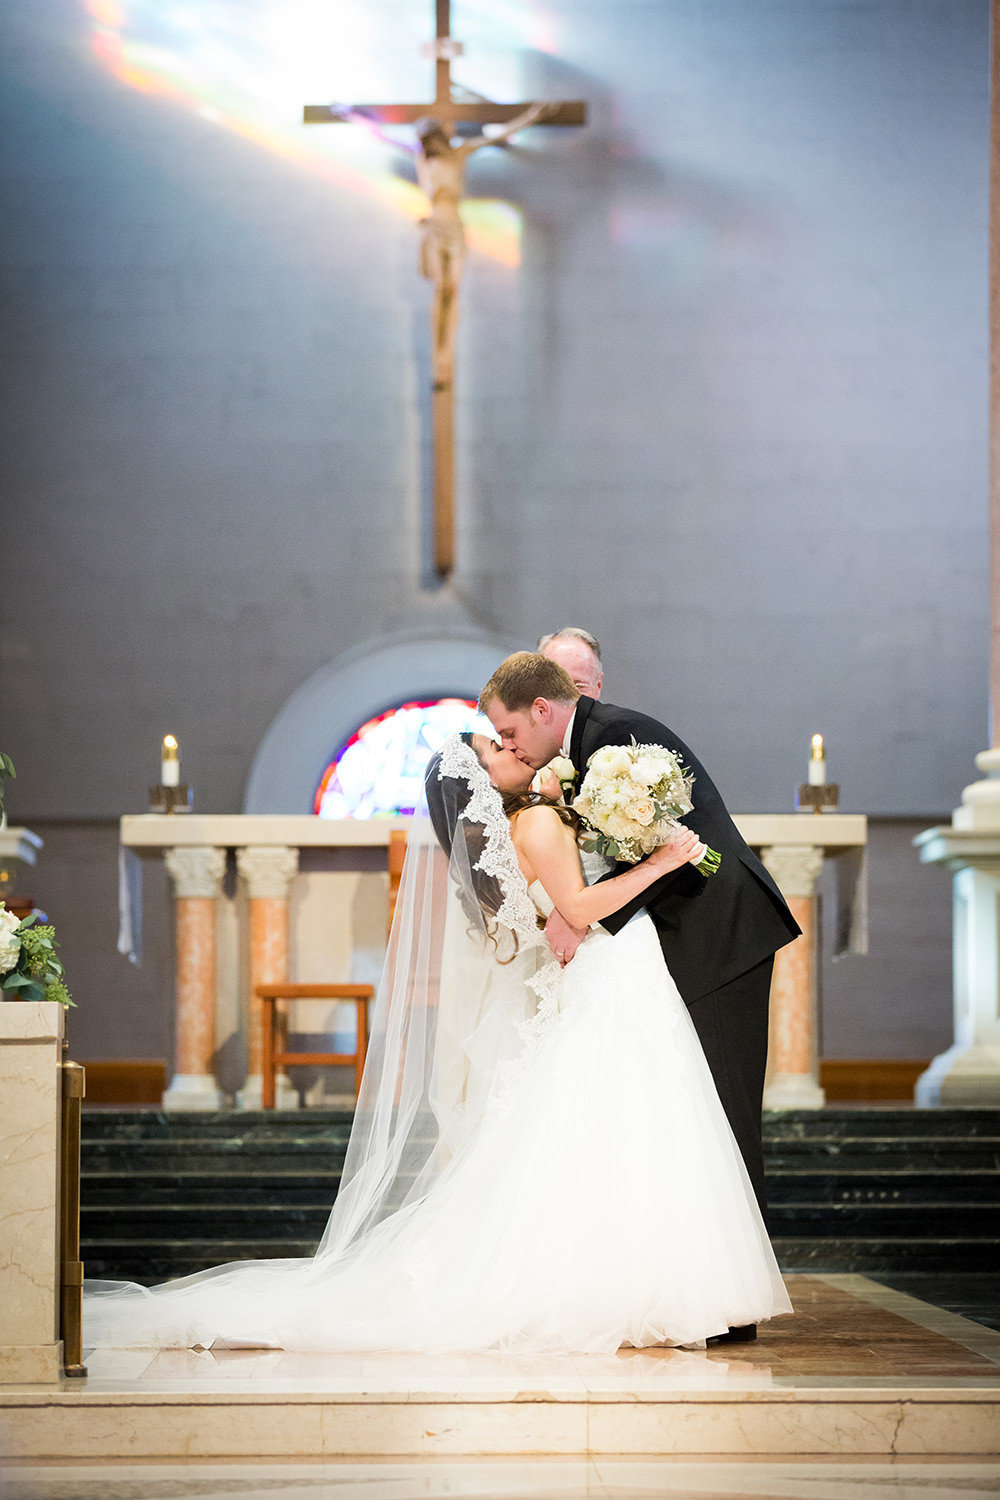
x=274 y=1021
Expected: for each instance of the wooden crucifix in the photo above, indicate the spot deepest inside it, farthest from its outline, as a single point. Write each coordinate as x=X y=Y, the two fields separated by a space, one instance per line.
x=440 y=164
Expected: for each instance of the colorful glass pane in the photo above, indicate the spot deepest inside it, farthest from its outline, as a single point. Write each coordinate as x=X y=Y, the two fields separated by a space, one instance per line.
x=379 y=772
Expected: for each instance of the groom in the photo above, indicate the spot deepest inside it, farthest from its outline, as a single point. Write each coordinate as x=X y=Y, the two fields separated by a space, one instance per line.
x=719 y=935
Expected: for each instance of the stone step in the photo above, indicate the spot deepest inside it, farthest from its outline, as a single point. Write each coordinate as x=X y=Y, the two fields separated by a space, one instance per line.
x=837 y=1185
x=153 y=1260
x=207 y=1185
x=871 y=1256
x=188 y=1220
x=885 y=1220
x=779 y=1125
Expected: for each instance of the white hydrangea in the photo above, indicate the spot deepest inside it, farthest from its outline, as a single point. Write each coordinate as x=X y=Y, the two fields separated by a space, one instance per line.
x=10 y=946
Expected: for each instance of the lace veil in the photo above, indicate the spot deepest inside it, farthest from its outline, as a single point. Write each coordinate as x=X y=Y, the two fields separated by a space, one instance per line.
x=467 y=985
x=461 y=984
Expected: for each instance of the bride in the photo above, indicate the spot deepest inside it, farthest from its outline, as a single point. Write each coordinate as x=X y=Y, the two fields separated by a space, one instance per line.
x=539 y=1161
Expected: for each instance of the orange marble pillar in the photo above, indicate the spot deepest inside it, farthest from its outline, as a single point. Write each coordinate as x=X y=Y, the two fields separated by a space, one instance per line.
x=267 y=873
x=197 y=874
x=793 y=1061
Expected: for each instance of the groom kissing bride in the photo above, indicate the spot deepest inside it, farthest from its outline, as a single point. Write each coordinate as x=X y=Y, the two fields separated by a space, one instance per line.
x=718 y=935
x=539 y=1161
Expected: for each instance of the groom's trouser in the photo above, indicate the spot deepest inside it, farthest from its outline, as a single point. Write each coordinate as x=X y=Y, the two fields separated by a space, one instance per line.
x=731 y=1023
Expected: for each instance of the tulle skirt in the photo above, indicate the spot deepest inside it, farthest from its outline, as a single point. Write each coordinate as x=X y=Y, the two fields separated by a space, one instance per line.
x=600 y=1201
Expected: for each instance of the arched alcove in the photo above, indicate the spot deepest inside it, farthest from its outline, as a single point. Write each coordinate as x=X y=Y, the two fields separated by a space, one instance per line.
x=328 y=707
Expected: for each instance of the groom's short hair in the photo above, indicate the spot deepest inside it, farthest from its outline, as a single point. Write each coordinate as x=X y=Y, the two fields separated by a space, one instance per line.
x=525 y=676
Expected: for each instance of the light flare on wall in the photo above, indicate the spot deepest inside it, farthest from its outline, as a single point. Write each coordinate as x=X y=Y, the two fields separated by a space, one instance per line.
x=248 y=66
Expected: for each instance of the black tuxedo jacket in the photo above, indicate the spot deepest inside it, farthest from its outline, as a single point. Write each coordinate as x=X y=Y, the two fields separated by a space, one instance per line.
x=710 y=930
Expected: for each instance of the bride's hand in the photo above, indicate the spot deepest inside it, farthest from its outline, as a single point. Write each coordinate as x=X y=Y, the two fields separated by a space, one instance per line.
x=548 y=785
x=684 y=848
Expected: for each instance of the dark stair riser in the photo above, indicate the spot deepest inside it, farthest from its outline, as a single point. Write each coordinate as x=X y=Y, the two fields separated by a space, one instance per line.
x=152 y=1261
x=883 y=1188
x=186 y=1222
x=215 y=1190
x=237 y=1185
x=885 y=1221
x=870 y=1256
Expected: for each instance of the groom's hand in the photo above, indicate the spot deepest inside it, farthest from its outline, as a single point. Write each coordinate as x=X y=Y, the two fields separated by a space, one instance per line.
x=562 y=938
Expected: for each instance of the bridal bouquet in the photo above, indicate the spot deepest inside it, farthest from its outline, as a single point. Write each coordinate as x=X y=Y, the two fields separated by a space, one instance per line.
x=631 y=798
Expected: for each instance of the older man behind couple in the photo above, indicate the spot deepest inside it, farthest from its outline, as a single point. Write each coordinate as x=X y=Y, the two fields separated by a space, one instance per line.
x=718 y=935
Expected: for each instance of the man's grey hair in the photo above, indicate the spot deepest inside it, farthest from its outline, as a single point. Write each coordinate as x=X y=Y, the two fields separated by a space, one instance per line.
x=572 y=633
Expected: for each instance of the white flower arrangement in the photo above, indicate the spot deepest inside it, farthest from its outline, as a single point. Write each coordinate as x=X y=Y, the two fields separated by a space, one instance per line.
x=10 y=943
x=631 y=799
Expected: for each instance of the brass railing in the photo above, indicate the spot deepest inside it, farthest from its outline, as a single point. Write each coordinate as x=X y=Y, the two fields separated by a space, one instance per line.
x=71 y=1291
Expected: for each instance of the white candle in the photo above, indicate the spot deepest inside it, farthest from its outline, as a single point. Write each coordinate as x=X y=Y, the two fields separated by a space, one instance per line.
x=817 y=762
x=170 y=765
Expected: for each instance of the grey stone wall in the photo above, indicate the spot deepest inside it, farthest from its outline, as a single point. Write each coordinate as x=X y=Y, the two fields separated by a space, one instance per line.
x=729 y=412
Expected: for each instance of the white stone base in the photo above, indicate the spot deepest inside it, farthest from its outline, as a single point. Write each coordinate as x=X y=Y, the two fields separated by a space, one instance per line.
x=192 y=1091
x=793 y=1091
x=250 y=1095
x=962 y=1075
x=31 y=1364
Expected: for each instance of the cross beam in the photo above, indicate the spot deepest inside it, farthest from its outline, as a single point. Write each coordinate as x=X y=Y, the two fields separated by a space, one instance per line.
x=448 y=112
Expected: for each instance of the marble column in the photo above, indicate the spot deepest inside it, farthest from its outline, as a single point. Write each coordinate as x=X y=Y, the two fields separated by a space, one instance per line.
x=196 y=872
x=793 y=1061
x=969 y=1071
x=30 y=1269
x=267 y=873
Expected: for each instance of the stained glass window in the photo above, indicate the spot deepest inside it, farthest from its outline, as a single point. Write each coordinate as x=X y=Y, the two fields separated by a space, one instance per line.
x=379 y=772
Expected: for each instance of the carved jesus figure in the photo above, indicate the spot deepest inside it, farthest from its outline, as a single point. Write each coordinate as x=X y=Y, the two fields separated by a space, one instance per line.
x=440 y=166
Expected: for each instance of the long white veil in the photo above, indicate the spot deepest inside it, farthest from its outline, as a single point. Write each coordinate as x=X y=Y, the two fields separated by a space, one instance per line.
x=460 y=978
x=466 y=972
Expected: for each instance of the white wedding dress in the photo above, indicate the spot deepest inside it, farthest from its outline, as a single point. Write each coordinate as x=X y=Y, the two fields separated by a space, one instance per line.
x=596 y=1198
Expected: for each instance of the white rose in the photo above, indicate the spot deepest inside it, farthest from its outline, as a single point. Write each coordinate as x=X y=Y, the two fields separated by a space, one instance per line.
x=603 y=761
x=562 y=768
x=619 y=826
x=644 y=811
x=646 y=771
x=10 y=946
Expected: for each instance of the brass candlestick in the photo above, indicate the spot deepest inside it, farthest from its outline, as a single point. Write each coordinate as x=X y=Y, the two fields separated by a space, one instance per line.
x=819 y=798
x=170 y=799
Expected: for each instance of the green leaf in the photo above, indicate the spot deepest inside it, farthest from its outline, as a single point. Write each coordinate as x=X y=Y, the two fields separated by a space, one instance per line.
x=16 y=981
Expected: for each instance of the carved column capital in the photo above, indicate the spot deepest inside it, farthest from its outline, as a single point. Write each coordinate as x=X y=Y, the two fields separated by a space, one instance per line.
x=267 y=869
x=196 y=870
x=794 y=867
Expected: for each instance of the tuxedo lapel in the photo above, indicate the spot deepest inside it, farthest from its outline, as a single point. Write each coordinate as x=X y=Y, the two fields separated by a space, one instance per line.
x=584 y=707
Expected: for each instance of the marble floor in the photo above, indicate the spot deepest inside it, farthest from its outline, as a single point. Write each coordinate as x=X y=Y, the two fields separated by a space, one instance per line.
x=861 y=1372
x=512 y=1479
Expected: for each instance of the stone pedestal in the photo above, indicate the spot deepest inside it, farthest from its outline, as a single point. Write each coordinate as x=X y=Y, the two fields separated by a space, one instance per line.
x=793 y=1063
x=30 y=1271
x=969 y=1072
x=197 y=876
x=267 y=872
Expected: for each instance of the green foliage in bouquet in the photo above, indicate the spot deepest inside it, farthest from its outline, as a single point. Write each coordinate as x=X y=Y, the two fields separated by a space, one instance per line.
x=29 y=967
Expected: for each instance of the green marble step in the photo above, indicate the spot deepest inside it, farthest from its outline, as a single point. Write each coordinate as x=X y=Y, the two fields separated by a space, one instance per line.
x=871 y=1256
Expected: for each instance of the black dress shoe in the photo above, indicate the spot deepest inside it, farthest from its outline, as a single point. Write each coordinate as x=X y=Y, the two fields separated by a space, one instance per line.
x=744 y=1335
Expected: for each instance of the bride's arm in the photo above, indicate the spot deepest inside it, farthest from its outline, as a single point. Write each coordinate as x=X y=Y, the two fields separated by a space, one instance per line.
x=546 y=847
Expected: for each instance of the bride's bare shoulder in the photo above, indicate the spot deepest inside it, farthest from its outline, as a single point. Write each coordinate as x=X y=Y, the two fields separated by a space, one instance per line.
x=539 y=820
